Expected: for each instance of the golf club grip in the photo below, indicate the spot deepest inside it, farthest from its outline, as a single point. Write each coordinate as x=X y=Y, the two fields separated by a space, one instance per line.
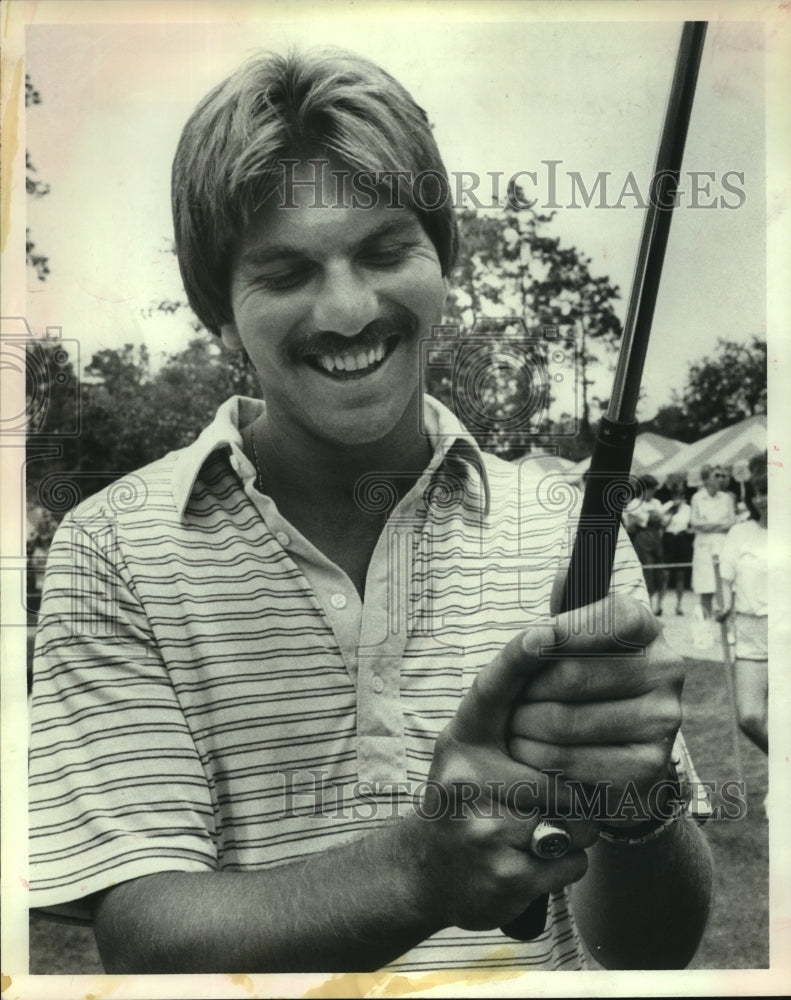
x=529 y=924
x=607 y=491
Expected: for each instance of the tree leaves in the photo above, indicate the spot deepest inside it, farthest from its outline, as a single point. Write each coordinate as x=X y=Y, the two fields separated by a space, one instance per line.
x=719 y=391
x=508 y=268
x=127 y=414
x=36 y=189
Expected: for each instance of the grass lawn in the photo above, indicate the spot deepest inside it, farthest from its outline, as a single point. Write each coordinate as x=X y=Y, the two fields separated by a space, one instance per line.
x=737 y=935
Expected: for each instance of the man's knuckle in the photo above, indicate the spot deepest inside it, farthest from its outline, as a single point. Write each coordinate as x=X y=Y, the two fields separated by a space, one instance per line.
x=652 y=758
x=568 y=723
x=564 y=759
x=634 y=620
x=673 y=714
x=576 y=675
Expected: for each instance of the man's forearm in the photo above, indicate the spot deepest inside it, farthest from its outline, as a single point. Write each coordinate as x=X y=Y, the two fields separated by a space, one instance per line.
x=357 y=907
x=646 y=907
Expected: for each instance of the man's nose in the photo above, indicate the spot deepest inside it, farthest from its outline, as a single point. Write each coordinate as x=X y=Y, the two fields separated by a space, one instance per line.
x=347 y=301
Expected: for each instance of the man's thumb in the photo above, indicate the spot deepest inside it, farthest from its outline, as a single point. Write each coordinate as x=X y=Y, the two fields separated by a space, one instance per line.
x=558 y=591
x=485 y=710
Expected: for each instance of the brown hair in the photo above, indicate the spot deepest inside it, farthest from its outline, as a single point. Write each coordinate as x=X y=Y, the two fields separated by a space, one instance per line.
x=229 y=160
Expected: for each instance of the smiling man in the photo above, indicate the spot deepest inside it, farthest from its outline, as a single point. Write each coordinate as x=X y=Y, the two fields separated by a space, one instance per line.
x=294 y=706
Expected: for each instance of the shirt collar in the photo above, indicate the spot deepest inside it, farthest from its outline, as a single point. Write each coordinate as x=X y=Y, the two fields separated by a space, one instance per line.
x=225 y=431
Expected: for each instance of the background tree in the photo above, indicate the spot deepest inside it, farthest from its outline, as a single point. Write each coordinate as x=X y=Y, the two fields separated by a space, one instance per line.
x=725 y=389
x=719 y=391
x=129 y=414
x=509 y=267
x=671 y=421
x=36 y=189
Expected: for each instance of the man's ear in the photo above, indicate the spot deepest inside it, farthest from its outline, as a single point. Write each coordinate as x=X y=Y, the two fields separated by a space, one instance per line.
x=230 y=336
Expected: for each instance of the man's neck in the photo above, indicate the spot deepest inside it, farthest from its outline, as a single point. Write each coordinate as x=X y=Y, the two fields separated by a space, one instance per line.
x=297 y=468
x=338 y=496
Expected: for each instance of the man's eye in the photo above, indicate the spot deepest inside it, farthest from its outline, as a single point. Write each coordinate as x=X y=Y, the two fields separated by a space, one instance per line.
x=389 y=256
x=282 y=281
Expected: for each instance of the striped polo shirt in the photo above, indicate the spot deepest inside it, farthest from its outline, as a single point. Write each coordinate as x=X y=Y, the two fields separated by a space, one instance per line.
x=211 y=693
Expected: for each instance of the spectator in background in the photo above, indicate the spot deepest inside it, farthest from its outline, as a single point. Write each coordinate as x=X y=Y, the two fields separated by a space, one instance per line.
x=676 y=542
x=739 y=487
x=644 y=520
x=40 y=529
x=732 y=485
x=757 y=464
x=712 y=514
x=745 y=595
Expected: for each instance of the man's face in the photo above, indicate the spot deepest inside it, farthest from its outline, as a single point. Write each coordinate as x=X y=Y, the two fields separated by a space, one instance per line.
x=330 y=303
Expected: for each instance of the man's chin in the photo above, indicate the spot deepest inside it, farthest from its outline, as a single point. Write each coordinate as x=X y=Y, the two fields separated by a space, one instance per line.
x=358 y=437
x=368 y=429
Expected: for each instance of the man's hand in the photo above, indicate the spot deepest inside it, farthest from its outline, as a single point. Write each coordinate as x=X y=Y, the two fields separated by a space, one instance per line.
x=358 y=906
x=597 y=715
x=609 y=721
x=478 y=869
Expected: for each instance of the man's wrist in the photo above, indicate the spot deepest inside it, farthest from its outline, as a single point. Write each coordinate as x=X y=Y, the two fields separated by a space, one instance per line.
x=668 y=802
x=421 y=871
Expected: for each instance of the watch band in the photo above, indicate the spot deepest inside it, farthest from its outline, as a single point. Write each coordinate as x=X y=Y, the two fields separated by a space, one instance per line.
x=644 y=833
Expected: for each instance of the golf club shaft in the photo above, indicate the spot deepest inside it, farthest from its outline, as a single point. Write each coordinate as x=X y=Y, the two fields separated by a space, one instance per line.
x=607 y=485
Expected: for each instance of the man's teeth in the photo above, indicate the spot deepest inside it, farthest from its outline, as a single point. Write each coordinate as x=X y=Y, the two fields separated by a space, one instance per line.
x=352 y=362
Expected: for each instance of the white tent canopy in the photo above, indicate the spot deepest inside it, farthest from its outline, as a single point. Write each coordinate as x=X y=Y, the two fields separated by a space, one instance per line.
x=731 y=447
x=728 y=447
x=650 y=451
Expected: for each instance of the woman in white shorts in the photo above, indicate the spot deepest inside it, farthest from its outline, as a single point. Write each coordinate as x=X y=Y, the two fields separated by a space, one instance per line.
x=744 y=575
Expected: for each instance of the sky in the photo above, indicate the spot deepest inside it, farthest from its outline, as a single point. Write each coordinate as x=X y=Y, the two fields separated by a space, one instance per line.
x=505 y=92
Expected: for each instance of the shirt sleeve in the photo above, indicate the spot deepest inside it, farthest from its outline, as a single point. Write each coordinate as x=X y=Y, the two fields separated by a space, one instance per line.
x=641 y=515
x=628 y=518
x=696 y=516
x=731 y=512
x=117 y=788
x=729 y=554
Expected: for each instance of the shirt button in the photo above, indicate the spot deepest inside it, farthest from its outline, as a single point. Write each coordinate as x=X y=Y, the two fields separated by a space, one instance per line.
x=338 y=601
x=378 y=684
x=283 y=538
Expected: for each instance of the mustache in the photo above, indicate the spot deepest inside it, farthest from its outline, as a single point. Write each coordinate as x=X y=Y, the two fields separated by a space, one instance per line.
x=372 y=334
